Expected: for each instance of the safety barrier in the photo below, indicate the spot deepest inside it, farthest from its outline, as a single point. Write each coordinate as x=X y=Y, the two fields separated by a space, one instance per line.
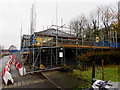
x=21 y=70
x=7 y=77
x=6 y=72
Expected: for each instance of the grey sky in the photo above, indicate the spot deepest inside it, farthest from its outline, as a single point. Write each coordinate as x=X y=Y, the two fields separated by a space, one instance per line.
x=15 y=12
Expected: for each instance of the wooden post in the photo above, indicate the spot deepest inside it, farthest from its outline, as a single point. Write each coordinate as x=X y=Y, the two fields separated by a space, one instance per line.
x=51 y=58
x=93 y=71
x=102 y=69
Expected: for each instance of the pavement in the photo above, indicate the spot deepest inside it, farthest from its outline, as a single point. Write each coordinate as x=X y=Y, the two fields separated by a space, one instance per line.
x=62 y=80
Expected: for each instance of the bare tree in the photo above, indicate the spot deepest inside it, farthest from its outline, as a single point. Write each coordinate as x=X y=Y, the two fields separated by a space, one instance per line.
x=99 y=24
x=107 y=17
x=94 y=24
x=74 y=26
x=79 y=25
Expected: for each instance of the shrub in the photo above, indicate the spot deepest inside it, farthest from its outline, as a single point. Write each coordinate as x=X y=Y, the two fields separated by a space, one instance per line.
x=109 y=57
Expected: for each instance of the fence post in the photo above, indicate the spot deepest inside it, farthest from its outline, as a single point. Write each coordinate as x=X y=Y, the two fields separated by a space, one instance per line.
x=93 y=70
x=102 y=69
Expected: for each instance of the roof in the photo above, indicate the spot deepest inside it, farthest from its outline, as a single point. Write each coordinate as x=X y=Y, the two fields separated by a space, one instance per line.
x=52 y=32
x=26 y=36
x=12 y=47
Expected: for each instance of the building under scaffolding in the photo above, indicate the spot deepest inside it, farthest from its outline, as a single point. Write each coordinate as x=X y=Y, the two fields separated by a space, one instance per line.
x=41 y=50
x=53 y=48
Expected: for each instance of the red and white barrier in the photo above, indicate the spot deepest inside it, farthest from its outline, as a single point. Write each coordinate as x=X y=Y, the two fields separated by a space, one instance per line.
x=8 y=66
x=6 y=72
x=5 y=69
x=15 y=63
x=21 y=70
x=7 y=76
x=18 y=66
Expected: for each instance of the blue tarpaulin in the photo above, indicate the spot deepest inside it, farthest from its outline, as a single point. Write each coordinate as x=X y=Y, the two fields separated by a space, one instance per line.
x=106 y=44
x=13 y=50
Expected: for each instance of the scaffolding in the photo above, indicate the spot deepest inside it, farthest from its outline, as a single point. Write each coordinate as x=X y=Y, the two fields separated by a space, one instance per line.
x=45 y=53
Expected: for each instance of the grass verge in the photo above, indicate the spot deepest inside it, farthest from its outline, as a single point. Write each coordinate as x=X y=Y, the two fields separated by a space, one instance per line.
x=111 y=72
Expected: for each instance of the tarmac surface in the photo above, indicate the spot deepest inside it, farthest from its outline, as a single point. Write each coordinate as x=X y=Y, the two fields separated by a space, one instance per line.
x=62 y=80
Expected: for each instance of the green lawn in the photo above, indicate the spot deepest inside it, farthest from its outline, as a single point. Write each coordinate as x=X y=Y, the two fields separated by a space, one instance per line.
x=110 y=73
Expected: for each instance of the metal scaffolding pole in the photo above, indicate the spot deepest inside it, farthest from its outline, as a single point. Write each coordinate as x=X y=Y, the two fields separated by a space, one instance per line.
x=56 y=35
x=76 y=47
x=33 y=64
x=51 y=58
x=40 y=54
x=116 y=37
x=64 y=54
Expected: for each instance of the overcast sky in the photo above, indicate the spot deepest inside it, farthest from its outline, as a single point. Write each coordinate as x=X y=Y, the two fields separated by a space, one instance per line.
x=15 y=12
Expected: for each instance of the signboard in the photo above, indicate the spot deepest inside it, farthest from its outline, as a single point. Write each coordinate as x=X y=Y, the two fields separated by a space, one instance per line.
x=60 y=54
x=97 y=39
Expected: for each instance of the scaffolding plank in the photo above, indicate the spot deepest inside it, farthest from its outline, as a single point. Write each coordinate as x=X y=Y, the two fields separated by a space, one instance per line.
x=80 y=46
x=83 y=46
